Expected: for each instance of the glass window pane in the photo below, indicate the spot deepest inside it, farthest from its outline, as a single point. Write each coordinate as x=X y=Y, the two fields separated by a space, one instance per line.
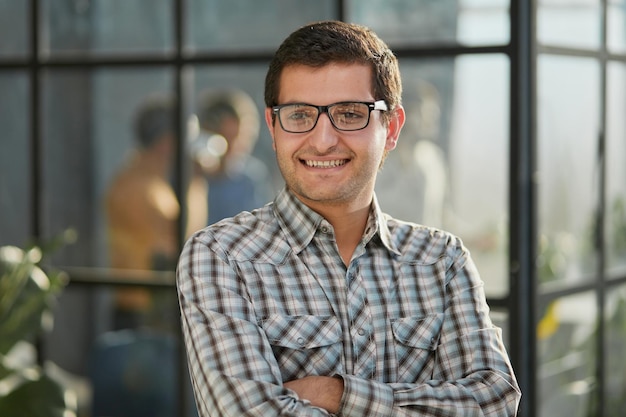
x=616 y=26
x=615 y=221
x=568 y=126
x=247 y=176
x=14 y=28
x=103 y=26
x=126 y=371
x=566 y=353
x=569 y=23
x=88 y=138
x=410 y=22
x=153 y=358
x=93 y=145
x=451 y=162
x=614 y=348
x=236 y=25
x=15 y=167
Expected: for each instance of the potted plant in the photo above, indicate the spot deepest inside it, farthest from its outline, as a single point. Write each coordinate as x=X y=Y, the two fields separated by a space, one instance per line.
x=27 y=296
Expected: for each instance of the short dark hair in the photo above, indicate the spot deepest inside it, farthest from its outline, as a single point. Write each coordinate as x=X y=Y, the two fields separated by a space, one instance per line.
x=153 y=119
x=319 y=44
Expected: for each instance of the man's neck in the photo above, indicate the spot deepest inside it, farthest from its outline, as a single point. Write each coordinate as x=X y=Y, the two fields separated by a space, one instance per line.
x=349 y=226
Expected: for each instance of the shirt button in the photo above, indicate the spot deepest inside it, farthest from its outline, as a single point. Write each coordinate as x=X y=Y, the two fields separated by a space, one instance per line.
x=301 y=341
x=324 y=229
x=361 y=332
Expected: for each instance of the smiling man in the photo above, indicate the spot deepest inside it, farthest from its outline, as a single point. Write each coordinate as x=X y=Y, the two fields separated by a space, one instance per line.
x=319 y=303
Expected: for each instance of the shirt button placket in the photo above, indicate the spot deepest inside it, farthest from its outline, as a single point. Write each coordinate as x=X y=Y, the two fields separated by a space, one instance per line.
x=360 y=327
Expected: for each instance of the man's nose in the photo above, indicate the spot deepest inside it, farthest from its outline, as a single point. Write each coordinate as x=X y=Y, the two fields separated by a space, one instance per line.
x=324 y=135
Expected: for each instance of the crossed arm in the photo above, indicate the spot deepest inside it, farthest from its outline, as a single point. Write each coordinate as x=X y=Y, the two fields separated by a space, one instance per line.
x=322 y=391
x=236 y=372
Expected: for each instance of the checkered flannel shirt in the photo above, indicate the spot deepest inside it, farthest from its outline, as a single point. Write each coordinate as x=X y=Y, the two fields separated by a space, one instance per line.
x=266 y=298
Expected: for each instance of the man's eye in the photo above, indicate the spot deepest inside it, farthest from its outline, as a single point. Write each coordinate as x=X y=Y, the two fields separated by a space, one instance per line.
x=349 y=112
x=300 y=114
x=350 y=115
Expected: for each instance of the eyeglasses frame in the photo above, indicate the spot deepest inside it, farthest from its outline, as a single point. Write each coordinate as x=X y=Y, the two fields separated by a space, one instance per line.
x=376 y=105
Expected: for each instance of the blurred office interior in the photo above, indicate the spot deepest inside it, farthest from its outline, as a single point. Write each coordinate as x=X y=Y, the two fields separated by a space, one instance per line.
x=515 y=141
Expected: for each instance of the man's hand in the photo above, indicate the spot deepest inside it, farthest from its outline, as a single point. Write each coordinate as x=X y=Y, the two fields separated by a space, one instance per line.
x=322 y=391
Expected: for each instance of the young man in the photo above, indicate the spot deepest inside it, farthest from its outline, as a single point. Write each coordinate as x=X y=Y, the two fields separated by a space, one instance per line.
x=319 y=303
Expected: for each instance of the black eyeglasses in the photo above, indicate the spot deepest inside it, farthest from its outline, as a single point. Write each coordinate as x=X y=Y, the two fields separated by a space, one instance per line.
x=348 y=115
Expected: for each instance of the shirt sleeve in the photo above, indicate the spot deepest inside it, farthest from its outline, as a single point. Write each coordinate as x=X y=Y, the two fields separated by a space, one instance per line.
x=231 y=364
x=472 y=376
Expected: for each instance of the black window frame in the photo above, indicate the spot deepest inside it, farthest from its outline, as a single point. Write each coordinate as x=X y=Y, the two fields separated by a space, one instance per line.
x=522 y=51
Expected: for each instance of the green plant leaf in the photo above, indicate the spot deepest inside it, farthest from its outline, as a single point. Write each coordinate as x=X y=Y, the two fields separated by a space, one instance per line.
x=43 y=397
x=27 y=295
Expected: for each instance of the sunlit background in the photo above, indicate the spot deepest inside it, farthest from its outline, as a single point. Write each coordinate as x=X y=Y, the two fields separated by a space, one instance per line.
x=515 y=140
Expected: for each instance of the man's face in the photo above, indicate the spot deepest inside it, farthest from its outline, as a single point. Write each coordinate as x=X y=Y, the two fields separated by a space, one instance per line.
x=325 y=165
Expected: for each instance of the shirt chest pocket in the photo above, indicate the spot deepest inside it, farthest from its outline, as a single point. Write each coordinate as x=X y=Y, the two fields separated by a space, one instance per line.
x=305 y=345
x=415 y=341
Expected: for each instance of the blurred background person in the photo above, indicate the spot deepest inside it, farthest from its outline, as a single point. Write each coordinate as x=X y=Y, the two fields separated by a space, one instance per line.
x=142 y=209
x=229 y=127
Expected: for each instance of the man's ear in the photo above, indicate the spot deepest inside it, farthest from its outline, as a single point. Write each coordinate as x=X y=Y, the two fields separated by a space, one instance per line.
x=269 y=121
x=395 y=126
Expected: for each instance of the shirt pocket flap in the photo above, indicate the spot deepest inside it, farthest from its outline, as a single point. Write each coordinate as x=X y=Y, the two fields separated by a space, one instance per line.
x=302 y=332
x=418 y=332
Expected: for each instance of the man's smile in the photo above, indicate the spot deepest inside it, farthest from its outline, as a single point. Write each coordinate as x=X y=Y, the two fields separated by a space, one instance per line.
x=324 y=164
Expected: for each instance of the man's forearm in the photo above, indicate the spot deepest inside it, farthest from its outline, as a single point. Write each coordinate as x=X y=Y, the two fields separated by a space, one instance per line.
x=322 y=391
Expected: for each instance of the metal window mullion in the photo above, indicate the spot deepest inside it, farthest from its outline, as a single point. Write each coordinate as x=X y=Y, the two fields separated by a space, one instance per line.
x=34 y=68
x=180 y=185
x=601 y=218
x=522 y=201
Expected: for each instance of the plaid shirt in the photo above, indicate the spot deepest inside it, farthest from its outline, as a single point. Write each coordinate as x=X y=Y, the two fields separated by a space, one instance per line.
x=266 y=298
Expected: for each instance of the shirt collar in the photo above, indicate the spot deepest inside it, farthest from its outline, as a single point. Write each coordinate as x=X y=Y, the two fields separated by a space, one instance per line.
x=380 y=226
x=300 y=223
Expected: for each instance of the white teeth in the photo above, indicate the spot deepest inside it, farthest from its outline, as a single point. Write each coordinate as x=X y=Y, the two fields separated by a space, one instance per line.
x=325 y=164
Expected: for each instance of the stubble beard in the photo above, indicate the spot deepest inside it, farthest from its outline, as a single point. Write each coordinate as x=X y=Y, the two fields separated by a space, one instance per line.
x=330 y=194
